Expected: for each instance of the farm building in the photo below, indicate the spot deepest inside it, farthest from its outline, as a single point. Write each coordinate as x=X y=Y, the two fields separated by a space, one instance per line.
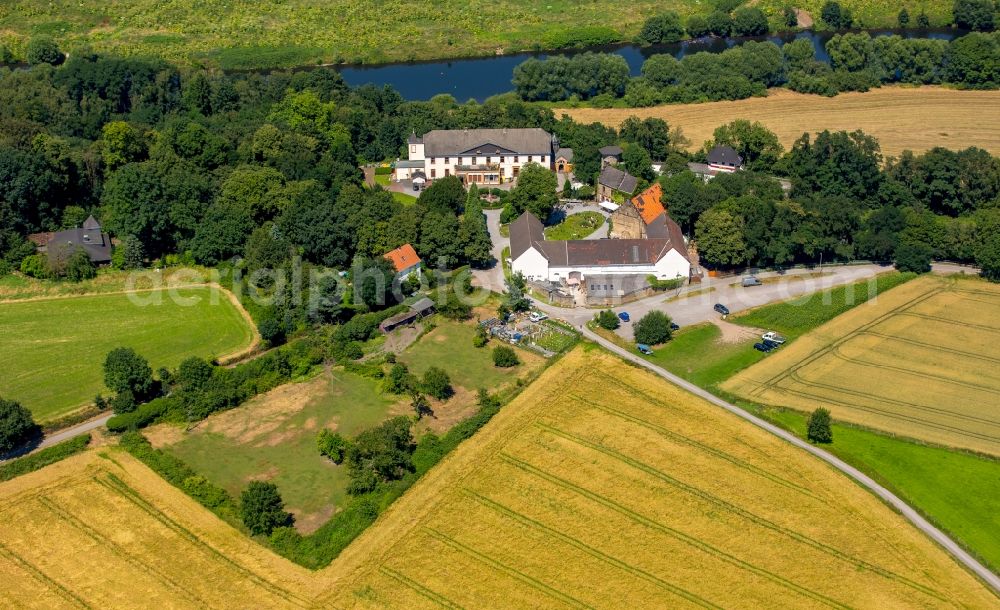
x=476 y=156
x=573 y=261
x=641 y=217
x=564 y=160
x=420 y=309
x=405 y=260
x=615 y=184
x=610 y=155
x=88 y=238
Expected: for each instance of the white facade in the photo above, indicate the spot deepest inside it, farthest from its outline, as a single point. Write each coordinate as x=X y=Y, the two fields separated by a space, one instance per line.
x=486 y=156
x=534 y=266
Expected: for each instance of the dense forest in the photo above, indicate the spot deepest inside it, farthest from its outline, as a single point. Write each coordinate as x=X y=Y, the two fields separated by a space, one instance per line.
x=212 y=168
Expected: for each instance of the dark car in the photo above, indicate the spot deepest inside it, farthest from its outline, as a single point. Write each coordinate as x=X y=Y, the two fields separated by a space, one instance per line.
x=674 y=326
x=770 y=344
x=623 y=316
x=760 y=347
x=719 y=307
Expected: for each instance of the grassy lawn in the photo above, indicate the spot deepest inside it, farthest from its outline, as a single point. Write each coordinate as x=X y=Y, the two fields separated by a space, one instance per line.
x=382 y=179
x=575 y=226
x=798 y=316
x=404 y=198
x=273 y=437
x=959 y=491
x=449 y=346
x=699 y=355
x=51 y=351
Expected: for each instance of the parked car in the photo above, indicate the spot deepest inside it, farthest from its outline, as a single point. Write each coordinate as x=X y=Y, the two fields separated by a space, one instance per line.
x=760 y=347
x=674 y=326
x=773 y=336
x=644 y=349
x=416 y=186
x=537 y=316
x=770 y=344
x=623 y=316
x=719 y=307
x=751 y=281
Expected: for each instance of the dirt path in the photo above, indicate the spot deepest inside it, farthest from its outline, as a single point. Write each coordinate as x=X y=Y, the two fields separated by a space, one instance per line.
x=734 y=333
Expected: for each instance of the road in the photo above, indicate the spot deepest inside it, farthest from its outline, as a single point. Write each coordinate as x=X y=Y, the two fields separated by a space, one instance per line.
x=68 y=433
x=887 y=496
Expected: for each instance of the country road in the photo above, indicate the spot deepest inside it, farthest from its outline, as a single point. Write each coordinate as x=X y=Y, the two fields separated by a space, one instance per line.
x=887 y=496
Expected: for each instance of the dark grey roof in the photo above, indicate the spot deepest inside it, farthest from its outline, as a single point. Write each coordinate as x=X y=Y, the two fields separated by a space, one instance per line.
x=413 y=139
x=406 y=163
x=532 y=141
x=422 y=305
x=565 y=153
x=96 y=244
x=418 y=174
x=524 y=231
x=724 y=155
x=700 y=168
x=91 y=224
x=619 y=180
x=610 y=151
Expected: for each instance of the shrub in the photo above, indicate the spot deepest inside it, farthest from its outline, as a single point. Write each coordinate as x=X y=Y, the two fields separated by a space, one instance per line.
x=16 y=425
x=43 y=50
x=332 y=445
x=353 y=351
x=819 y=430
x=653 y=328
x=43 y=457
x=437 y=384
x=482 y=337
x=505 y=357
x=453 y=308
x=399 y=380
x=143 y=415
x=662 y=28
x=608 y=320
x=127 y=371
x=658 y=285
x=36 y=266
x=262 y=509
x=380 y=454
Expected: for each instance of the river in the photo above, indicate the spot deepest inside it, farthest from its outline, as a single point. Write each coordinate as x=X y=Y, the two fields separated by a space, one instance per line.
x=483 y=77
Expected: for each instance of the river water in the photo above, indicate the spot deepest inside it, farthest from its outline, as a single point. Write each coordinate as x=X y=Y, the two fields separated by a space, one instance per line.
x=483 y=77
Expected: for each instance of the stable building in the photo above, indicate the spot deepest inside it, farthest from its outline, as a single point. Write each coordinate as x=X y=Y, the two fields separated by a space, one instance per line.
x=476 y=156
x=574 y=261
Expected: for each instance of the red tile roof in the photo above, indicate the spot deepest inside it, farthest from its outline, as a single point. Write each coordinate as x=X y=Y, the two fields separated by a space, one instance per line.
x=648 y=203
x=403 y=257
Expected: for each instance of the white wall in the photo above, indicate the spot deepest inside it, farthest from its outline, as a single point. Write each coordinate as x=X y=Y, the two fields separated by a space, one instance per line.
x=532 y=265
x=667 y=268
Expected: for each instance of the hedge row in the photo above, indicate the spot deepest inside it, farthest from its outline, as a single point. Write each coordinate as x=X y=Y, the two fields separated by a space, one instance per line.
x=44 y=457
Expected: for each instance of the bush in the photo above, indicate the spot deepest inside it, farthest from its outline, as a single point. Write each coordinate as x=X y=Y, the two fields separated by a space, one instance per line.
x=36 y=266
x=262 y=509
x=353 y=351
x=332 y=445
x=43 y=457
x=399 y=380
x=662 y=28
x=749 y=21
x=653 y=328
x=505 y=357
x=16 y=425
x=482 y=337
x=607 y=320
x=437 y=384
x=819 y=430
x=143 y=415
x=660 y=285
x=127 y=371
x=43 y=50
x=915 y=256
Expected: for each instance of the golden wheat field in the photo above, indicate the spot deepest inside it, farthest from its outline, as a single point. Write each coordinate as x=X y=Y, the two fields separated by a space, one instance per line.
x=103 y=531
x=922 y=360
x=603 y=486
x=914 y=118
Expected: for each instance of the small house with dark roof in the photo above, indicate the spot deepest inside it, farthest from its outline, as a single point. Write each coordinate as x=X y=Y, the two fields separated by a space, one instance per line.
x=610 y=155
x=405 y=260
x=89 y=238
x=564 y=160
x=615 y=185
x=573 y=261
x=724 y=159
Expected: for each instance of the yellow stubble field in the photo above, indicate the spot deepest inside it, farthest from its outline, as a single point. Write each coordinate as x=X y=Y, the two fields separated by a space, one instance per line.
x=600 y=486
x=603 y=486
x=922 y=360
x=913 y=118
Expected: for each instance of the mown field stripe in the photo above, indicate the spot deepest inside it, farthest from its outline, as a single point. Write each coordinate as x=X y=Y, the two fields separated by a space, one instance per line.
x=669 y=531
x=625 y=567
x=420 y=589
x=690 y=442
x=513 y=572
x=129 y=559
x=119 y=486
x=750 y=516
x=42 y=577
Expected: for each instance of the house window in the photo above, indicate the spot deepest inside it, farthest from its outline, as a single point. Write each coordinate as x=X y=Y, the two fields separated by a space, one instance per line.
x=517 y=159
x=447 y=172
x=501 y=158
x=433 y=173
x=432 y=159
x=447 y=159
x=413 y=148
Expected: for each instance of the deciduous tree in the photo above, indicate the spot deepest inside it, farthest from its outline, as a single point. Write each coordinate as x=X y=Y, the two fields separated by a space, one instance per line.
x=262 y=509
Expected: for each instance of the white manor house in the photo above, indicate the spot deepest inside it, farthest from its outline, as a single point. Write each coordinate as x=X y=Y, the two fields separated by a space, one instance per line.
x=476 y=156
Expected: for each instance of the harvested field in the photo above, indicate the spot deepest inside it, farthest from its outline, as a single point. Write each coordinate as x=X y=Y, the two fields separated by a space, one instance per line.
x=914 y=118
x=604 y=486
x=921 y=361
x=100 y=530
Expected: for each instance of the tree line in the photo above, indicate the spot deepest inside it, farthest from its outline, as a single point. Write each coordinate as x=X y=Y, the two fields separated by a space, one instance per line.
x=858 y=62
